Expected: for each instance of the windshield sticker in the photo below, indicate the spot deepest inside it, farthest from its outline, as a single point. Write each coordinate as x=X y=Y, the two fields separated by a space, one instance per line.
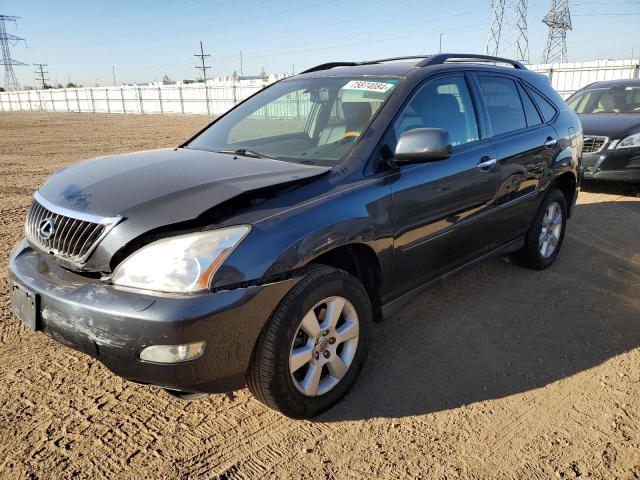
x=380 y=87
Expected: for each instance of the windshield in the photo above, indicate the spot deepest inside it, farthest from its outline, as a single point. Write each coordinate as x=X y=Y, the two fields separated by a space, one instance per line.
x=617 y=99
x=306 y=120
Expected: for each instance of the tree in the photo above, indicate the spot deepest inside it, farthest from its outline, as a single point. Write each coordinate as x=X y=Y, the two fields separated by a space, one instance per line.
x=71 y=85
x=264 y=76
x=235 y=77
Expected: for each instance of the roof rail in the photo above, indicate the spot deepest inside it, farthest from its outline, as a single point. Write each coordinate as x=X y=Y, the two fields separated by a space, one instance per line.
x=427 y=60
x=327 y=66
x=441 y=58
x=392 y=59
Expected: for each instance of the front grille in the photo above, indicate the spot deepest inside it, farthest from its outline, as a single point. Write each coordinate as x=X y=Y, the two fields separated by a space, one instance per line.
x=67 y=234
x=594 y=144
x=634 y=162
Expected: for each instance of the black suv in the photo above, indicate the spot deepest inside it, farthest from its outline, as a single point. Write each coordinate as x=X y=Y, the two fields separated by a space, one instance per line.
x=610 y=116
x=263 y=249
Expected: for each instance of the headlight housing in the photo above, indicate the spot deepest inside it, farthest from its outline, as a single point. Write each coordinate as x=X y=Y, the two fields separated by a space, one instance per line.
x=630 y=141
x=180 y=264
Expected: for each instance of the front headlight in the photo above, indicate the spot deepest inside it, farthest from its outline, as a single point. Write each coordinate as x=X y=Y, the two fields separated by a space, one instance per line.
x=180 y=264
x=630 y=141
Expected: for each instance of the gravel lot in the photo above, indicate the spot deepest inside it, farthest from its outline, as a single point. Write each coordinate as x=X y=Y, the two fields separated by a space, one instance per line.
x=499 y=373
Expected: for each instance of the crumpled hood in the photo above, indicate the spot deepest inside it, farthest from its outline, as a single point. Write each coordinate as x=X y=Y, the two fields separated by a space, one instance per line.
x=612 y=125
x=155 y=188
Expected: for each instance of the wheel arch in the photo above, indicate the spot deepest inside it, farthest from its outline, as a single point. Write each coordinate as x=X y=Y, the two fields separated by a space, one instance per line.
x=567 y=184
x=361 y=261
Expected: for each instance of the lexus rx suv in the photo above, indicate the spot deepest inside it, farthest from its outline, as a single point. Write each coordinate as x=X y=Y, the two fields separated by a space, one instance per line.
x=610 y=116
x=262 y=251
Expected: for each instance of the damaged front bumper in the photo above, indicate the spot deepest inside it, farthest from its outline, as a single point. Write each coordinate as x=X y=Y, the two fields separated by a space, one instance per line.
x=613 y=165
x=115 y=325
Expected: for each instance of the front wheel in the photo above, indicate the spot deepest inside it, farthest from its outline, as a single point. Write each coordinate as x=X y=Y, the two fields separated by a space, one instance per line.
x=312 y=348
x=545 y=236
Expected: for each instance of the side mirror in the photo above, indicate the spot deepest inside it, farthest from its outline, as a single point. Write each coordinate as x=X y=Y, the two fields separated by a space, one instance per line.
x=423 y=145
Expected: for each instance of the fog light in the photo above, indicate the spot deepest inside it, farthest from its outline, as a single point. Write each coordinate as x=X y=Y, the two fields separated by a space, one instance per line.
x=172 y=353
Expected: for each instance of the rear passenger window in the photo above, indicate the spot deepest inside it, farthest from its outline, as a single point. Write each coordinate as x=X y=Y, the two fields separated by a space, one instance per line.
x=533 y=117
x=547 y=109
x=503 y=104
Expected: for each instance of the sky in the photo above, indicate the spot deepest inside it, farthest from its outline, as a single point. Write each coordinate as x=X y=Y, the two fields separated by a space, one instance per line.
x=144 y=40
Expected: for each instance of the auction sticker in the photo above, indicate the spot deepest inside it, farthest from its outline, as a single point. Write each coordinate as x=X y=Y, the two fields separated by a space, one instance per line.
x=366 y=86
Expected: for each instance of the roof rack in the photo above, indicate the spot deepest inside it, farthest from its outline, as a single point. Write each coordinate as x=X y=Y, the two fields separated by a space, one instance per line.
x=426 y=60
x=327 y=66
x=441 y=58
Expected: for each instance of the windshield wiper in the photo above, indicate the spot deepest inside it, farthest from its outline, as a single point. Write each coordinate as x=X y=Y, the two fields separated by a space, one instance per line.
x=243 y=152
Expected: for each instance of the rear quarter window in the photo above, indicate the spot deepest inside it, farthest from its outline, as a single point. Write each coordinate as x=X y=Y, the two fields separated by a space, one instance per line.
x=548 y=110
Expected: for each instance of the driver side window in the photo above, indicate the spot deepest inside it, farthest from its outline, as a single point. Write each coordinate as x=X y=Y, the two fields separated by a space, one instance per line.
x=442 y=103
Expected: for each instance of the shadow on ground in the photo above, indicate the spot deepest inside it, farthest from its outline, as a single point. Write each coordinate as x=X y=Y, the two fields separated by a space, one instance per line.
x=612 y=188
x=498 y=329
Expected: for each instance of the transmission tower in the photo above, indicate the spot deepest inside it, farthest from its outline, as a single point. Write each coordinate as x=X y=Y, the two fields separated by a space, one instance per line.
x=522 y=36
x=202 y=67
x=559 y=22
x=40 y=74
x=495 y=31
x=515 y=21
x=6 y=39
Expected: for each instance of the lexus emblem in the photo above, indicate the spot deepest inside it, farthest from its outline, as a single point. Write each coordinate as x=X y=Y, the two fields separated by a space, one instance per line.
x=46 y=229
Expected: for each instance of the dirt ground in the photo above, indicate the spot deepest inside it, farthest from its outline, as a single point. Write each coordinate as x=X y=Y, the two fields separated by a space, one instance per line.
x=499 y=373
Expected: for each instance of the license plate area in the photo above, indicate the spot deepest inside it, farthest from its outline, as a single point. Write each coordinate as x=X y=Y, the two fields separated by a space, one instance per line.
x=25 y=305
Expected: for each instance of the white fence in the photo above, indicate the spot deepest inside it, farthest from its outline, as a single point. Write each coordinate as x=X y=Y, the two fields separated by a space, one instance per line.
x=217 y=98
x=187 y=98
x=566 y=78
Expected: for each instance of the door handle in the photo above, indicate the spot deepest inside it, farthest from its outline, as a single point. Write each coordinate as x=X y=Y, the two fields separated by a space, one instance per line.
x=486 y=164
x=551 y=142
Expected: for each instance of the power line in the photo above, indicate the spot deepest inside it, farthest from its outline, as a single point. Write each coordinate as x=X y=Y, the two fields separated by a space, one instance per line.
x=202 y=67
x=40 y=74
x=6 y=39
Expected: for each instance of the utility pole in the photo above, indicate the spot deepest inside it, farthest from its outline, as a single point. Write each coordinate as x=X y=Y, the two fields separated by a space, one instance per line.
x=559 y=22
x=113 y=70
x=241 y=71
x=6 y=39
x=440 y=50
x=202 y=67
x=40 y=74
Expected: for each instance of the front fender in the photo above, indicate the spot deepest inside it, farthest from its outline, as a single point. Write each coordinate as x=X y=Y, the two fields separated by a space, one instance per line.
x=291 y=239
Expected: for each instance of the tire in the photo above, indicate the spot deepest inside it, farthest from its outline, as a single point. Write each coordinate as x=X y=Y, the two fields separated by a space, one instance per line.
x=270 y=378
x=532 y=256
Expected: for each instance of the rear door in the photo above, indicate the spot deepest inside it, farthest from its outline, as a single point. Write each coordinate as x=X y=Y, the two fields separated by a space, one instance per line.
x=438 y=207
x=526 y=146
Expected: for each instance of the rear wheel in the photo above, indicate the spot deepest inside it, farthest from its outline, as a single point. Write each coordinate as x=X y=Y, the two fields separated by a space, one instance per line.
x=312 y=348
x=545 y=236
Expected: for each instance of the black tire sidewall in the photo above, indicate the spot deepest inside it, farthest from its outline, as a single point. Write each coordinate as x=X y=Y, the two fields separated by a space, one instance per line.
x=532 y=250
x=286 y=320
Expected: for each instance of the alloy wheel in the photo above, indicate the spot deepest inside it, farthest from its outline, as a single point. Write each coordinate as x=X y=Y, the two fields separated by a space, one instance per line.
x=551 y=230
x=324 y=346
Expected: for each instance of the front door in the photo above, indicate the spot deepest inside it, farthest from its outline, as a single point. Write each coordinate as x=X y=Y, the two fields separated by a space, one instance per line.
x=438 y=207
